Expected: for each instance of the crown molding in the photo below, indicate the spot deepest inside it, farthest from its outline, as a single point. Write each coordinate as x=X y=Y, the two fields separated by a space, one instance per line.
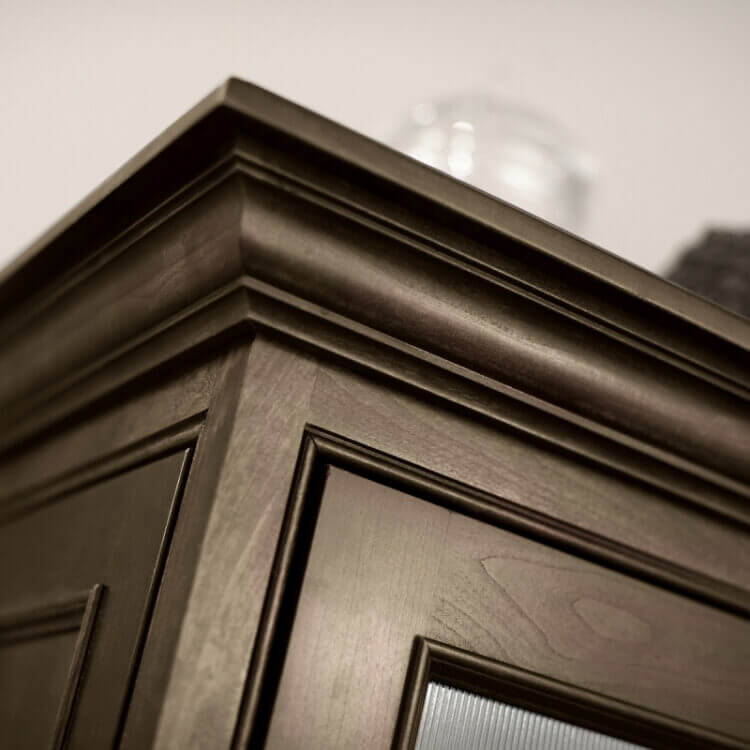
x=251 y=213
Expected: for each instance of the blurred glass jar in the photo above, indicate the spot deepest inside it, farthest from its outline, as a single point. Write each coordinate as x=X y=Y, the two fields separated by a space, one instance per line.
x=503 y=149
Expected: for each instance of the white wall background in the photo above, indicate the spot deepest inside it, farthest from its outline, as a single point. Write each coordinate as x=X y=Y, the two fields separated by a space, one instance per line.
x=657 y=90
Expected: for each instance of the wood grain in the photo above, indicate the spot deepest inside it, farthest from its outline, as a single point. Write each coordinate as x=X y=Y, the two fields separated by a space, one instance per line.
x=278 y=276
x=125 y=298
x=251 y=189
x=481 y=454
x=437 y=663
x=223 y=613
x=384 y=568
x=50 y=639
x=206 y=470
x=134 y=416
x=115 y=533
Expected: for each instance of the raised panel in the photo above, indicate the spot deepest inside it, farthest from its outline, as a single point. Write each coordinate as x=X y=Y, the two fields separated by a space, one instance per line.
x=385 y=566
x=114 y=532
x=33 y=675
x=42 y=653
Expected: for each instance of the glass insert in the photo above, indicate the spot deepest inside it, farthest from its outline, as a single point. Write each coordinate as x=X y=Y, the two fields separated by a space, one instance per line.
x=456 y=720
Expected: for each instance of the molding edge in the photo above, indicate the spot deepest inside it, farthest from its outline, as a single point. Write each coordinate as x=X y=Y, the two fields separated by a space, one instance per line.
x=422 y=272
x=73 y=613
x=319 y=450
x=432 y=661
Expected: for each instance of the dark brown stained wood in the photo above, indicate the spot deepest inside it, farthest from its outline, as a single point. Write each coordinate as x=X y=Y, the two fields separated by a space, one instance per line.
x=384 y=567
x=536 y=455
x=183 y=258
x=113 y=428
x=467 y=318
x=252 y=211
x=77 y=665
x=206 y=470
x=201 y=687
x=180 y=436
x=113 y=533
x=223 y=613
x=202 y=135
x=29 y=708
x=50 y=640
x=480 y=454
x=432 y=661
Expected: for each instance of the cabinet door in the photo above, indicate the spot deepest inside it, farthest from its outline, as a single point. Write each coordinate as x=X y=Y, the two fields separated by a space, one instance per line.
x=79 y=574
x=389 y=579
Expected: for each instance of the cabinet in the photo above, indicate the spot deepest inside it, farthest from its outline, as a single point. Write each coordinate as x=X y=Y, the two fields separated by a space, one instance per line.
x=294 y=428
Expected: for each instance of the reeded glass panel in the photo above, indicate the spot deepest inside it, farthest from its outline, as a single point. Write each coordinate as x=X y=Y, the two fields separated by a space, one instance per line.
x=456 y=720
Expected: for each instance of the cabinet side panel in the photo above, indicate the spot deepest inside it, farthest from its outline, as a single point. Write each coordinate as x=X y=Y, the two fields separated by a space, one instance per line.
x=114 y=533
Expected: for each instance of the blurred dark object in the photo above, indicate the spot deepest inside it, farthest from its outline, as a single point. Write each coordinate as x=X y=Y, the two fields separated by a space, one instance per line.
x=717 y=268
